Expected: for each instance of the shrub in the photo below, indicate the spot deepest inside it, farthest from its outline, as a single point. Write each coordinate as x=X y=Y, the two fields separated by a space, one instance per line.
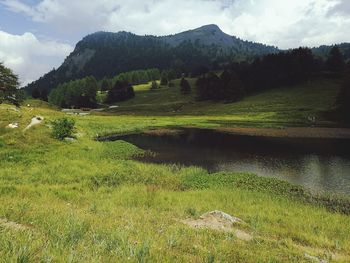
x=121 y=91
x=154 y=85
x=63 y=128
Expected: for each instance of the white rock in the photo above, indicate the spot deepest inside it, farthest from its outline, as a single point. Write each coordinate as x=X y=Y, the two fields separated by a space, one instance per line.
x=35 y=121
x=14 y=125
x=69 y=139
x=221 y=215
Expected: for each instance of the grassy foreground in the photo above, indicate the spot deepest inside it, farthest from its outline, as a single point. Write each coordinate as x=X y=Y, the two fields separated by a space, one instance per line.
x=86 y=201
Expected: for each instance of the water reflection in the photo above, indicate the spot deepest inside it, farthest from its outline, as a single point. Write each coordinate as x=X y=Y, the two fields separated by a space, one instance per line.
x=318 y=164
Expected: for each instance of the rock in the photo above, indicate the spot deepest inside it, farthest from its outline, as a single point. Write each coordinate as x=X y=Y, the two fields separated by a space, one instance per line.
x=315 y=259
x=69 y=139
x=220 y=221
x=13 y=125
x=35 y=121
x=222 y=216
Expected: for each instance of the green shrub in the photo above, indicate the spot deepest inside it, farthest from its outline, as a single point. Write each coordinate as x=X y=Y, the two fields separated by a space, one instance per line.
x=63 y=128
x=154 y=85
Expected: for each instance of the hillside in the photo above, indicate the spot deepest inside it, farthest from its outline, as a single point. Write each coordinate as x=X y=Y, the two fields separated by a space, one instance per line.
x=107 y=54
x=289 y=106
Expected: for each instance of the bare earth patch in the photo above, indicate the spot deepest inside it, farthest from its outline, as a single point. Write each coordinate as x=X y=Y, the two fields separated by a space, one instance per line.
x=12 y=225
x=219 y=221
x=296 y=132
x=164 y=131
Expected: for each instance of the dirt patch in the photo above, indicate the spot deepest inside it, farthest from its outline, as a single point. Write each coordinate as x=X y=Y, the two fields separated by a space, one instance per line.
x=219 y=221
x=296 y=132
x=322 y=255
x=12 y=225
x=160 y=132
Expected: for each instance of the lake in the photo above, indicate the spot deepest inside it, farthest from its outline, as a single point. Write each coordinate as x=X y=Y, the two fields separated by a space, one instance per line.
x=317 y=164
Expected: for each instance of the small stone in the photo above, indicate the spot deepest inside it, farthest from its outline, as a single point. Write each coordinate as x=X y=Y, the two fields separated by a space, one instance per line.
x=14 y=125
x=69 y=139
x=222 y=215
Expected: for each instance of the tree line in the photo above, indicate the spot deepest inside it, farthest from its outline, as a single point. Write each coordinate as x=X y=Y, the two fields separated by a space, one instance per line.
x=82 y=93
x=134 y=77
x=270 y=71
x=75 y=94
x=343 y=99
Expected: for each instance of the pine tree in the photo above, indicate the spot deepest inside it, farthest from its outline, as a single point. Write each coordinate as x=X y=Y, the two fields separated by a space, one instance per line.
x=35 y=93
x=185 y=86
x=335 y=61
x=8 y=85
x=154 y=85
x=164 y=78
x=105 y=85
x=121 y=91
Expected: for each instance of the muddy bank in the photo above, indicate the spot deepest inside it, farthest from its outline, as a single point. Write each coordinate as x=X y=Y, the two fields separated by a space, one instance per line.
x=297 y=132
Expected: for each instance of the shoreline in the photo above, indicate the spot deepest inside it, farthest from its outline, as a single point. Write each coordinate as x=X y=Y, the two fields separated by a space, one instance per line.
x=291 y=132
x=288 y=132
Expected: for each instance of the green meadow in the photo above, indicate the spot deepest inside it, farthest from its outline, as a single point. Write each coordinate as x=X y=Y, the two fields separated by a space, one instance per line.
x=89 y=201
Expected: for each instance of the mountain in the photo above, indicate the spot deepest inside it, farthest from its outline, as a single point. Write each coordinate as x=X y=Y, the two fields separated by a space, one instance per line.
x=108 y=54
x=211 y=35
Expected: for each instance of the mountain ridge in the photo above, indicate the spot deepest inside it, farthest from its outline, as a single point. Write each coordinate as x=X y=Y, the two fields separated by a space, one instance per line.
x=102 y=54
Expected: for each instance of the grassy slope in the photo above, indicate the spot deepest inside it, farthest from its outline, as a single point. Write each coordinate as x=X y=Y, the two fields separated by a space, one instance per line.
x=86 y=202
x=285 y=106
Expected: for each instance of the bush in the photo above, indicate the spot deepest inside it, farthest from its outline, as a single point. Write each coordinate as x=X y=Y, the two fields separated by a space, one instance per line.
x=63 y=128
x=121 y=91
x=154 y=85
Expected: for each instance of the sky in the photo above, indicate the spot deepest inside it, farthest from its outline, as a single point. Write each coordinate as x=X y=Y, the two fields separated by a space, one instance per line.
x=37 y=35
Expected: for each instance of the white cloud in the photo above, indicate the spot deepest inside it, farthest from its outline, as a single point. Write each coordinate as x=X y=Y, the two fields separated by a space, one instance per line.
x=285 y=24
x=29 y=57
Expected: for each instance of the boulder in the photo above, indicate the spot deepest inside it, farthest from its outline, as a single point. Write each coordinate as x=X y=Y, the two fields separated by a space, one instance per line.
x=220 y=221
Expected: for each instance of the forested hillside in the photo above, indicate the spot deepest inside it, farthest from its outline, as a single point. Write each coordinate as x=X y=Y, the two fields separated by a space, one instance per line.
x=105 y=54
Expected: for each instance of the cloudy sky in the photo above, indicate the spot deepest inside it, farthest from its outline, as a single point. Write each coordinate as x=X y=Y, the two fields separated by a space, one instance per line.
x=36 y=35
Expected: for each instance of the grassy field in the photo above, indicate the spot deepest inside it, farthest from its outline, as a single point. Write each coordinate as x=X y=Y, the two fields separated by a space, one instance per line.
x=87 y=201
x=278 y=107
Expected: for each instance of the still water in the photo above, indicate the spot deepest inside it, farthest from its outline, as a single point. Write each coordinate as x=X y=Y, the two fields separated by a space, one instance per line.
x=318 y=164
